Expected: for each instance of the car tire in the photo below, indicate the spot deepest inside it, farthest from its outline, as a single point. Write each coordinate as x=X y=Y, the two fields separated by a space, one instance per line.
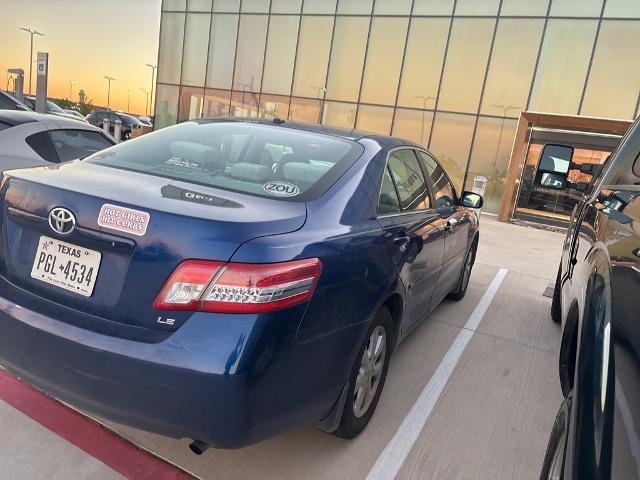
x=556 y=302
x=552 y=466
x=463 y=282
x=368 y=370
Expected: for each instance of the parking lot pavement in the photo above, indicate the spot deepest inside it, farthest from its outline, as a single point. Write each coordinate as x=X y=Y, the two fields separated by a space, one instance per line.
x=492 y=415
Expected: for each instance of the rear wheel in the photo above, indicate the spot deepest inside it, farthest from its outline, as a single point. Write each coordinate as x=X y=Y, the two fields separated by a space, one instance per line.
x=553 y=464
x=556 y=304
x=465 y=275
x=367 y=376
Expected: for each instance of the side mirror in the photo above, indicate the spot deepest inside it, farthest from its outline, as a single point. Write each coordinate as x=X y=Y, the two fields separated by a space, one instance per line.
x=471 y=200
x=553 y=167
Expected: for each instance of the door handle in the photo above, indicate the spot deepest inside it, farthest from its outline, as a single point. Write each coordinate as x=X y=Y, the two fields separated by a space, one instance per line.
x=452 y=222
x=402 y=241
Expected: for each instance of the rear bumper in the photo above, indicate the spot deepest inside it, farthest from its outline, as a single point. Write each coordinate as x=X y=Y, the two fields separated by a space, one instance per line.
x=225 y=381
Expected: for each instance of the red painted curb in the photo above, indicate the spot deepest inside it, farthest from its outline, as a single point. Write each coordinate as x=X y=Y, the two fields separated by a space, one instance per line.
x=91 y=437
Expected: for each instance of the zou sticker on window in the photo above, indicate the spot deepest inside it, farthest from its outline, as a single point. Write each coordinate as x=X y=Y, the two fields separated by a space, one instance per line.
x=281 y=189
x=123 y=219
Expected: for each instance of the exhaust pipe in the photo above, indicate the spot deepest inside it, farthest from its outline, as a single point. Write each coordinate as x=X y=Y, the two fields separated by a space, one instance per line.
x=198 y=447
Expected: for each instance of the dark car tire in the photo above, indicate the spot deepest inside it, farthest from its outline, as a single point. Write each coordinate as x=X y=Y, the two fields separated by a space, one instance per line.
x=463 y=282
x=350 y=423
x=556 y=302
x=551 y=469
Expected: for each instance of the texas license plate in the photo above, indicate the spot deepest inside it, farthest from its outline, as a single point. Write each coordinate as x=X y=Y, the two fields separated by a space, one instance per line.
x=66 y=265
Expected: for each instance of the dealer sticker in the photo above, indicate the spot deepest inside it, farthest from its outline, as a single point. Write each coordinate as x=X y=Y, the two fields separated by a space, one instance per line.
x=281 y=189
x=123 y=219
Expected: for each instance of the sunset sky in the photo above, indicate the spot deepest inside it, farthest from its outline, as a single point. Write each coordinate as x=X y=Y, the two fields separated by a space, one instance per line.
x=86 y=40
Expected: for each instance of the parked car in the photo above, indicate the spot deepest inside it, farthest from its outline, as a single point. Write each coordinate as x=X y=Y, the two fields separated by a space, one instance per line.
x=129 y=122
x=145 y=120
x=52 y=109
x=29 y=139
x=75 y=113
x=227 y=280
x=9 y=102
x=596 y=432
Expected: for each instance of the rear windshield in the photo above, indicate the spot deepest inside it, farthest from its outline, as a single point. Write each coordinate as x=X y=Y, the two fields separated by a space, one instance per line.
x=262 y=160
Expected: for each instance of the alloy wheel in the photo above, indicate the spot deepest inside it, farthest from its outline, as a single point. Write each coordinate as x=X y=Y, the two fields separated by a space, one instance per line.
x=370 y=371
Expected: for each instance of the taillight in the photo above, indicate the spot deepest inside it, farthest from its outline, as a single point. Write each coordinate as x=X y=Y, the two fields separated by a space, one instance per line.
x=202 y=285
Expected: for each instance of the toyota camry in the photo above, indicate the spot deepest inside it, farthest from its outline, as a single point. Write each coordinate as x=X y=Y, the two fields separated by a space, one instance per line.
x=228 y=280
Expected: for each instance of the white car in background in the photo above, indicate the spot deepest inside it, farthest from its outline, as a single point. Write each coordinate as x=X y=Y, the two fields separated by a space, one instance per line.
x=29 y=139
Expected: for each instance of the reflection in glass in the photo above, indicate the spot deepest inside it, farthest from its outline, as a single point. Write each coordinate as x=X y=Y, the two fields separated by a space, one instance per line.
x=432 y=7
x=490 y=158
x=384 y=60
x=216 y=103
x=222 y=44
x=281 y=51
x=191 y=100
x=414 y=125
x=286 y=6
x=622 y=8
x=195 y=44
x=319 y=6
x=355 y=6
x=524 y=7
x=250 y=52
x=341 y=115
x=244 y=104
x=466 y=63
x=305 y=110
x=312 y=59
x=347 y=57
x=450 y=143
x=512 y=63
x=173 y=5
x=575 y=8
x=171 y=38
x=199 y=5
x=375 y=119
x=392 y=7
x=422 y=66
x=255 y=6
x=477 y=7
x=166 y=112
x=563 y=66
x=226 y=6
x=274 y=106
x=614 y=80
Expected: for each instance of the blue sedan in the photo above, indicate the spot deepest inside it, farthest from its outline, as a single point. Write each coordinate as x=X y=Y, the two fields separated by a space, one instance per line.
x=228 y=280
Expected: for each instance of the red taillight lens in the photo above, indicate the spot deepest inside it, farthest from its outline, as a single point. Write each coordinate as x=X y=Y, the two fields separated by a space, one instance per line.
x=238 y=287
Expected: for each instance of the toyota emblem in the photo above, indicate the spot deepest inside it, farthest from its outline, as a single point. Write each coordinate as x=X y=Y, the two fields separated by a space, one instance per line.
x=62 y=221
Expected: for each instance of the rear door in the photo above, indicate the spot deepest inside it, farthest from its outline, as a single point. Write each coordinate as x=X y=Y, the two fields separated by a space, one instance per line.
x=413 y=231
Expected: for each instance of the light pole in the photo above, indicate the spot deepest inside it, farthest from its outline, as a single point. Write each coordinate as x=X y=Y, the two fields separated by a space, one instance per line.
x=129 y=101
x=146 y=102
x=425 y=99
x=319 y=90
x=70 y=90
x=153 y=73
x=505 y=110
x=109 y=79
x=32 y=33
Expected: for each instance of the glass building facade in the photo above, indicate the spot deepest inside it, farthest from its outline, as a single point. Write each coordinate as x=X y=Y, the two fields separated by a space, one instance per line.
x=452 y=75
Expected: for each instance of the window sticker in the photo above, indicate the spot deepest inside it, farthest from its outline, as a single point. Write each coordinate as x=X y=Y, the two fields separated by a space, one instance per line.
x=281 y=189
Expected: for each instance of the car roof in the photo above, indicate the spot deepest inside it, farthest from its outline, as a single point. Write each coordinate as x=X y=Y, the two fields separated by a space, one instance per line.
x=16 y=117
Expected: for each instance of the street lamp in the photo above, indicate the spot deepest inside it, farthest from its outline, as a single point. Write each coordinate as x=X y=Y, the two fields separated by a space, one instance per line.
x=70 y=90
x=153 y=72
x=129 y=101
x=109 y=79
x=505 y=110
x=146 y=104
x=32 y=33
x=425 y=99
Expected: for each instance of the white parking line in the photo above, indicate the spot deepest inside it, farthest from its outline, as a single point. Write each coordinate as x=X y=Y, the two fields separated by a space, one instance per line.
x=393 y=456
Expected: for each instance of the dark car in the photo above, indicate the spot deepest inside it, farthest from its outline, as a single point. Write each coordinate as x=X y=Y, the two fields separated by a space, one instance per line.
x=53 y=109
x=227 y=280
x=9 y=102
x=596 y=432
x=129 y=122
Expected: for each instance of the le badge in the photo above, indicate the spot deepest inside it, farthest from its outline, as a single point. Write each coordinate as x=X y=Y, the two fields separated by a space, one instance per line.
x=123 y=219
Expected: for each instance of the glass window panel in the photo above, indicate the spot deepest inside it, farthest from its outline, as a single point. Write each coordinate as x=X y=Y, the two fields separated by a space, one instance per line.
x=226 y=6
x=355 y=6
x=312 y=59
x=305 y=110
x=166 y=101
x=575 y=8
x=341 y=115
x=250 y=52
x=274 y=106
x=199 y=5
x=194 y=63
x=477 y=7
x=174 y=4
x=281 y=51
x=216 y=103
x=286 y=6
x=392 y=7
x=563 y=66
x=524 y=7
x=466 y=62
x=409 y=180
x=319 y=6
x=222 y=43
x=347 y=57
x=255 y=6
x=432 y=7
x=388 y=201
x=244 y=104
x=375 y=119
x=450 y=143
x=622 y=8
x=422 y=66
x=384 y=60
x=614 y=81
x=443 y=190
x=414 y=125
x=512 y=63
x=490 y=158
x=171 y=38
x=191 y=99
